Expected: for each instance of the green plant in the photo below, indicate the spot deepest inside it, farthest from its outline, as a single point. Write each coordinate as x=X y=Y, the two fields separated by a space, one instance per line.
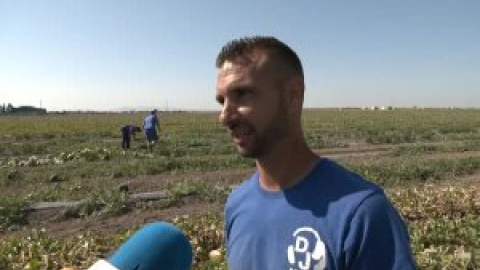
x=12 y=213
x=104 y=201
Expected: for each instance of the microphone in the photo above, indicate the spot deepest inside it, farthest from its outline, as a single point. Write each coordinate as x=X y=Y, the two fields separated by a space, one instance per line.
x=157 y=246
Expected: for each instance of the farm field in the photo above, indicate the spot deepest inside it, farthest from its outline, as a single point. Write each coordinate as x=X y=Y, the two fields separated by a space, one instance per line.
x=68 y=195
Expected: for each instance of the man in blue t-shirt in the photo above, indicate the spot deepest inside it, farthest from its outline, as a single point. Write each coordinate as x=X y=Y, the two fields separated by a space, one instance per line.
x=151 y=125
x=299 y=210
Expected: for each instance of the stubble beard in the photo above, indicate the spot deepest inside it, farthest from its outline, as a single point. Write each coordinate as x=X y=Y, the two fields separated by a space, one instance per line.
x=264 y=141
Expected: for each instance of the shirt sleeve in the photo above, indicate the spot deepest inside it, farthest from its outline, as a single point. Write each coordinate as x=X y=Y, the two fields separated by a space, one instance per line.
x=378 y=237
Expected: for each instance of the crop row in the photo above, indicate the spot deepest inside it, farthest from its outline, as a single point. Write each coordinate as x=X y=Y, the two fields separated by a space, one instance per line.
x=86 y=169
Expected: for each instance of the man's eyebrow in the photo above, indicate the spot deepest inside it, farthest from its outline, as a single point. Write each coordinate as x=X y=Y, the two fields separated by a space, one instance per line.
x=240 y=88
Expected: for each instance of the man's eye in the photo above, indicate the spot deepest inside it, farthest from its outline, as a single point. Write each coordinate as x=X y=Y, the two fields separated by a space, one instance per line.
x=242 y=93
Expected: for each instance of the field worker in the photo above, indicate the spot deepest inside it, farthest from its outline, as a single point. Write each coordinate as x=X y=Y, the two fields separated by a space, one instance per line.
x=298 y=210
x=128 y=131
x=150 y=125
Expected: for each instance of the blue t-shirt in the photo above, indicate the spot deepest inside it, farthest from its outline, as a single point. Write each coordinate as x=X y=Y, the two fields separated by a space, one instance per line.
x=333 y=219
x=150 y=121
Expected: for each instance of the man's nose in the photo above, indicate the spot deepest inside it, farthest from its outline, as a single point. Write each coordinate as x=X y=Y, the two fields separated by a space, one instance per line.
x=228 y=113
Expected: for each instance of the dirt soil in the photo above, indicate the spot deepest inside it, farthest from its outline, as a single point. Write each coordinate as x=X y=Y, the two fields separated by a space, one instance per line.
x=48 y=218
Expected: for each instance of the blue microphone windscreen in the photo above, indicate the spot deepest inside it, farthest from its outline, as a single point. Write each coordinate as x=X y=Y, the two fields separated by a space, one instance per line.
x=157 y=246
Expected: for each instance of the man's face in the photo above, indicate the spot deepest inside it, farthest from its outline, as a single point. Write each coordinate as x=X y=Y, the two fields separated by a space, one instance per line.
x=253 y=105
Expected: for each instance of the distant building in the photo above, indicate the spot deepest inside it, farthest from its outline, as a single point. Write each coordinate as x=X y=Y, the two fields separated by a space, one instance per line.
x=10 y=109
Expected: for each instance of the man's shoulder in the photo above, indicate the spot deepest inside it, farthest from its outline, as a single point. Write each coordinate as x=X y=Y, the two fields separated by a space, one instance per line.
x=342 y=178
x=341 y=187
x=243 y=189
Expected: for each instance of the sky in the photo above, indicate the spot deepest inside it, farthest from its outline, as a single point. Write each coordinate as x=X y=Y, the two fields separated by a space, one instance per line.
x=118 y=54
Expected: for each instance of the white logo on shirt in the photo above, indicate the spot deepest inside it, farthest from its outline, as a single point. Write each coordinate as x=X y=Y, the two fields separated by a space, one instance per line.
x=302 y=255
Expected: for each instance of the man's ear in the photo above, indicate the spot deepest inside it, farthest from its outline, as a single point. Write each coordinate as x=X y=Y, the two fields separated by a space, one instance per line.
x=296 y=89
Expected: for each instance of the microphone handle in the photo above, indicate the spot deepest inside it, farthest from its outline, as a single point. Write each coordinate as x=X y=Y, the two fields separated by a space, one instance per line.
x=102 y=265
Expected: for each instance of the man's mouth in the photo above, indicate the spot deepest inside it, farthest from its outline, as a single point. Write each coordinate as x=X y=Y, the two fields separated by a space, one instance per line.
x=241 y=133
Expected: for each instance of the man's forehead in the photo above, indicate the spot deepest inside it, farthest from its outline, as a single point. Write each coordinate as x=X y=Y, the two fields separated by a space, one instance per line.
x=247 y=61
x=227 y=65
x=239 y=62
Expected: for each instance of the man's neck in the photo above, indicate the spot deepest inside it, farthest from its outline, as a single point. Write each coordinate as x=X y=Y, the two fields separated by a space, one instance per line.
x=286 y=166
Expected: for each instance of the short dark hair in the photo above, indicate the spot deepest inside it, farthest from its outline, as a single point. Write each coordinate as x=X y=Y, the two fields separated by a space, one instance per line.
x=245 y=45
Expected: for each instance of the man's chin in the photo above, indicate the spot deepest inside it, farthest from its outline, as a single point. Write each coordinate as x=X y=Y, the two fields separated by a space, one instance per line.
x=246 y=153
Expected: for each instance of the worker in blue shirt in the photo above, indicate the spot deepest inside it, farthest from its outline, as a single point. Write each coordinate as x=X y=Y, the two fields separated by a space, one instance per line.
x=128 y=132
x=151 y=127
